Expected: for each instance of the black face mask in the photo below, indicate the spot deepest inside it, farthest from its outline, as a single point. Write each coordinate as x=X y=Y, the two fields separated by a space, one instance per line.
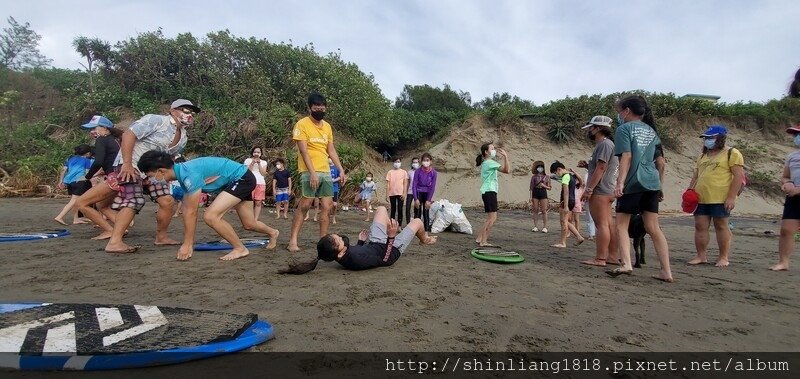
x=590 y=136
x=346 y=240
x=318 y=115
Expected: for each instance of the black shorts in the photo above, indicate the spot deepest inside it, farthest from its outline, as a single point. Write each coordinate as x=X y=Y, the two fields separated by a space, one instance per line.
x=539 y=193
x=635 y=203
x=791 y=208
x=78 y=188
x=242 y=188
x=489 y=202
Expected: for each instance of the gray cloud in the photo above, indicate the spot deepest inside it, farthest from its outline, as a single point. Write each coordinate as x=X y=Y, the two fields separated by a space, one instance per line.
x=538 y=50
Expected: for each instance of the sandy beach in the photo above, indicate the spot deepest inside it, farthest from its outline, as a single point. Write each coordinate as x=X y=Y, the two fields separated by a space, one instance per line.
x=434 y=298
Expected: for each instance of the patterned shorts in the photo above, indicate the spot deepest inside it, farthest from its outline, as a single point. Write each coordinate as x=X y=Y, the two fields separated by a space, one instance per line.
x=131 y=194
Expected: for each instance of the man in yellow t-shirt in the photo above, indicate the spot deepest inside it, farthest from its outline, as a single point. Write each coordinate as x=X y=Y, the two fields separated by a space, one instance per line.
x=314 y=138
x=718 y=177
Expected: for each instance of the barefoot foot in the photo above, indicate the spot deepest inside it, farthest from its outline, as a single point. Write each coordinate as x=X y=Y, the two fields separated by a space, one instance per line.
x=273 y=240
x=697 y=261
x=559 y=245
x=60 y=221
x=722 y=263
x=293 y=248
x=166 y=242
x=102 y=236
x=235 y=254
x=780 y=267
x=595 y=262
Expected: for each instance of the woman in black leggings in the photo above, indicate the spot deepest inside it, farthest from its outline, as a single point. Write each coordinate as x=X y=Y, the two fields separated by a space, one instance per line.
x=410 y=192
x=424 y=186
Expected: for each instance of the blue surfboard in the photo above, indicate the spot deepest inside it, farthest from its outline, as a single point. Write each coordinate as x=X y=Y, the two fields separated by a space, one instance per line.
x=224 y=245
x=32 y=236
x=43 y=336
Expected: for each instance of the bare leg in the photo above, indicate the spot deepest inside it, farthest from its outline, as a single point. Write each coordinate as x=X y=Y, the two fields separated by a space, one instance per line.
x=214 y=216
x=786 y=244
x=601 y=213
x=244 y=211
x=535 y=211
x=660 y=244
x=99 y=194
x=297 y=222
x=368 y=210
x=325 y=205
x=543 y=206
x=623 y=220
x=124 y=218
x=257 y=209
x=724 y=237
x=487 y=228
x=419 y=231
x=701 y=224
x=60 y=217
x=163 y=218
x=285 y=209
x=565 y=224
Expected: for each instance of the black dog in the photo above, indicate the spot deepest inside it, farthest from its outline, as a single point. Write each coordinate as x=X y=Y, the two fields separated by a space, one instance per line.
x=636 y=232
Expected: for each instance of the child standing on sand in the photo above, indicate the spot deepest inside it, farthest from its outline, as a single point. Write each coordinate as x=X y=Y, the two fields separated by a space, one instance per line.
x=567 y=204
x=396 y=184
x=489 y=186
x=540 y=184
x=72 y=178
x=368 y=189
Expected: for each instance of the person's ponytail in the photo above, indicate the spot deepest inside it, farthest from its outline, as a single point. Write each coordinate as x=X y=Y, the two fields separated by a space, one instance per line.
x=648 y=118
x=479 y=160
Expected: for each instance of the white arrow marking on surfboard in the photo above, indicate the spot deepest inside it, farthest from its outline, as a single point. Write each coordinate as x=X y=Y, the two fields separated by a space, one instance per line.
x=151 y=318
x=13 y=337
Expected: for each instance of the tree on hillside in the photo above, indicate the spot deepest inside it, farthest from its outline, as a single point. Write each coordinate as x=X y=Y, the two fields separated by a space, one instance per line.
x=425 y=98
x=94 y=50
x=19 y=47
x=501 y=99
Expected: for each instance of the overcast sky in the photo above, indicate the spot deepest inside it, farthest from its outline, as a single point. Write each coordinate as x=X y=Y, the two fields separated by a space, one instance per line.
x=538 y=50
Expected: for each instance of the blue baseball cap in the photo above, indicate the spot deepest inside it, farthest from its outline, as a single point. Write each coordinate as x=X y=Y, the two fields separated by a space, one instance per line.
x=715 y=130
x=98 y=120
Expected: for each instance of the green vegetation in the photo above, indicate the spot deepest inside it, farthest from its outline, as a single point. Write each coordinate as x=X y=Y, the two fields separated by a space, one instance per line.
x=253 y=91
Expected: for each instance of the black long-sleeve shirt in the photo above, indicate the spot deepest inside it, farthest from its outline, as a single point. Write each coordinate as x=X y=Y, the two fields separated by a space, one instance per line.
x=106 y=149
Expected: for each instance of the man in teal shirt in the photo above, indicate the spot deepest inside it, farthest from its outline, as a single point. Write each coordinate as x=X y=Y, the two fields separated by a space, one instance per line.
x=210 y=175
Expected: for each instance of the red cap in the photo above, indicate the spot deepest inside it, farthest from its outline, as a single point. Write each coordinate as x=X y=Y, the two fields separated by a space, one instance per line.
x=690 y=200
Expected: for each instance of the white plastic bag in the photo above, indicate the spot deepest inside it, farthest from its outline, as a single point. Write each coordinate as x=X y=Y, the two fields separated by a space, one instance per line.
x=460 y=223
x=450 y=215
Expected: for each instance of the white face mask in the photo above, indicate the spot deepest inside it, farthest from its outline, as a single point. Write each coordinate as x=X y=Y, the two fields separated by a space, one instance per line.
x=396 y=165
x=426 y=163
x=493 y=153
x=279 y=166
x=710 y=143
x=369 y=179
x=539 y=169
x=415 y=165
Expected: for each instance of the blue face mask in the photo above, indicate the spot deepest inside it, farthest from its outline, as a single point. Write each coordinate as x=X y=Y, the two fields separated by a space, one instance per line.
x=797 y=140
x=710 y=143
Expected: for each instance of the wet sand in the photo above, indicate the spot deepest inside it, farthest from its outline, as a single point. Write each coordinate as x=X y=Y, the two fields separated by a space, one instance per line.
x=434 y=298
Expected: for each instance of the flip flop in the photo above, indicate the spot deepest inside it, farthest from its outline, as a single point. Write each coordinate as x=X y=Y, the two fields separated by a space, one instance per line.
x=490 y=247
x=662 y=279
x=578 y=243
x=131 y=249
x=617 y=272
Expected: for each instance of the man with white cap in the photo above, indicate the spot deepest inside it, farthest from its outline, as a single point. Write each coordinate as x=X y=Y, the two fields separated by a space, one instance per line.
x=165 y=133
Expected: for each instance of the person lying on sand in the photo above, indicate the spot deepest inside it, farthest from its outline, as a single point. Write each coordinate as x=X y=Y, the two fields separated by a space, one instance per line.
x=380 y=246
x=210 y=174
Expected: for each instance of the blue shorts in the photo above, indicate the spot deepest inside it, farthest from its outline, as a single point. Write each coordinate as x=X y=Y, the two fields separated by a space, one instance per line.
x=712 y=210
x=281 y=194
